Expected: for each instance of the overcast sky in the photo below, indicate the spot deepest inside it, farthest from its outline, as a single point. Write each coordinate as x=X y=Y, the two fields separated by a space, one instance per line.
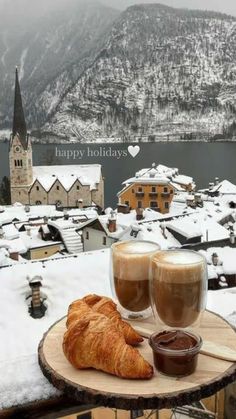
x=225 y=6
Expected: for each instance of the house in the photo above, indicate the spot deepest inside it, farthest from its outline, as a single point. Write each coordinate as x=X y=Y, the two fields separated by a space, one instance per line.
x=68 y=186
x=154 y=188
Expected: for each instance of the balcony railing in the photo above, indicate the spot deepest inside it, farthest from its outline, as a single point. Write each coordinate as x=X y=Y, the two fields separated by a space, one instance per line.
x=153 y=194
x=139 y=194
x=165 y=194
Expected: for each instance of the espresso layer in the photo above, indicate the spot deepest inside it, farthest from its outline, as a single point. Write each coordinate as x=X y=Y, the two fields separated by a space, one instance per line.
x=132 y=295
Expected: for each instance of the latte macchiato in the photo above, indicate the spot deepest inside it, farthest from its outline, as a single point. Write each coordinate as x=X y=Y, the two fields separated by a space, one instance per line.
x=131 y=262
x=178 y=286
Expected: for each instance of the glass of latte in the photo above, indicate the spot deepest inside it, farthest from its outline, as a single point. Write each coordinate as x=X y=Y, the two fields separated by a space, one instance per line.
x=130 y=263
x=178 y=287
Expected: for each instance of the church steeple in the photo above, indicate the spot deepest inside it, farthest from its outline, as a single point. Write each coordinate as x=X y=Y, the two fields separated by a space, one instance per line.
x=19 y=124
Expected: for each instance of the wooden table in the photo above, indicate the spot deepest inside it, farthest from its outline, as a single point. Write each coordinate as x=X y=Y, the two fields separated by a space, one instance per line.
x=98 y=388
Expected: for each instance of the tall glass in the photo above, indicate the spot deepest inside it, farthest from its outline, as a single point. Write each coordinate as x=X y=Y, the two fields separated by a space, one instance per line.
x=130 y=262
x=178 y=287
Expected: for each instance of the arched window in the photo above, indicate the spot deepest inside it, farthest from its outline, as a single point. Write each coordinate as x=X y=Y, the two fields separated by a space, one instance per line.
x=38 y=203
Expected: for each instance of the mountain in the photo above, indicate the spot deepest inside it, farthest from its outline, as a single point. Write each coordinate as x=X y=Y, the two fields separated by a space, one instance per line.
x=148 y=73
x=52 y=48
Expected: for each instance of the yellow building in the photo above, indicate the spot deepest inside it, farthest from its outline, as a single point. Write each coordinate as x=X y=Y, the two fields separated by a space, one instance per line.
x=154 y=188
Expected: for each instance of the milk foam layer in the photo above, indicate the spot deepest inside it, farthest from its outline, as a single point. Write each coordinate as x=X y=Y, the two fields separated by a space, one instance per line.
x=131 y=260
x=179 y=266
x=136 y=247
x=179 y=257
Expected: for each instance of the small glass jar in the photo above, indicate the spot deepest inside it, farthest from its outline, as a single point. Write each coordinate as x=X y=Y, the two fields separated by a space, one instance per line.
x=129 y=276
x=175 y=352
x=178 y=287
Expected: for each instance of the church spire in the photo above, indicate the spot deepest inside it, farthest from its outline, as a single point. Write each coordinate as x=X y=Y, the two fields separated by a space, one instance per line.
x=19 y=124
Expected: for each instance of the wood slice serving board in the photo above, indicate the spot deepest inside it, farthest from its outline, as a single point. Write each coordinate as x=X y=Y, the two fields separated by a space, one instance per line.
x=95 y=387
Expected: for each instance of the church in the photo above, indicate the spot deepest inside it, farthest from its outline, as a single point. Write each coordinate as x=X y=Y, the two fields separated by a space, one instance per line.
x=68 y=186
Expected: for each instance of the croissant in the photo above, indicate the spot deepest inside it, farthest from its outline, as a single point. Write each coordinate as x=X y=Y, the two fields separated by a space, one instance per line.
x=94 y=342
x=76 y=311
x=106 y=306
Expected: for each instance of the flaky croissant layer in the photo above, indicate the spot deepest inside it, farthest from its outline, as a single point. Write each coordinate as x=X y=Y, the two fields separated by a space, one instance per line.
x=94 y=341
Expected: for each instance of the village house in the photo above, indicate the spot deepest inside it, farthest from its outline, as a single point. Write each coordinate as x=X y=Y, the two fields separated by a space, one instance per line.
x=154 y=188
x=69 y=186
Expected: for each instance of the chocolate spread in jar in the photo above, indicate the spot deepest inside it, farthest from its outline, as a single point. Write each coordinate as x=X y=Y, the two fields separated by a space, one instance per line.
x=175 y=352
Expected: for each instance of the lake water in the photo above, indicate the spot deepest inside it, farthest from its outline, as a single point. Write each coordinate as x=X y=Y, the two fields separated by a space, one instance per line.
x=202 y=161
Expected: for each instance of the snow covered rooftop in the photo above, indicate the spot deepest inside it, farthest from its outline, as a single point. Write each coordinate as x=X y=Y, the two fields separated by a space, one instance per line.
x=160 y=175
x=86 y=174
x=225 y=187
x=17 y=212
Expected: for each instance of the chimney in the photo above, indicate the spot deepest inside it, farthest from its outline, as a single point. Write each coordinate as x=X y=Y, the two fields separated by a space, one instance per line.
x=211 y=186
x=28 y=230
x=37 y=308
x=14 y=255
x=2 y=234
x=112 y=222
x=217 y=181
x=27 y=208
x=232 y=237
x=215 y=259
x=139 y=214
x=66 y=215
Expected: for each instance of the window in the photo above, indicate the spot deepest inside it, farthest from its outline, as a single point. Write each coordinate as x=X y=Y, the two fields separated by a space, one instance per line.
x=18 y=163
x=171 y=191
x=140 y=189
x=166 y=205
x=132 y=190
x=37 y=187
x=19 y=193
x=77 y=188
x=140 y=204
x=87 y=235
x=104 y=241
x=86 y=415
x=153 y=204
x=45 y=253
x=134 y=414
x=165 y=189
x=58 y=188
x=127 y=203
x=153 y=189
x=38 y=203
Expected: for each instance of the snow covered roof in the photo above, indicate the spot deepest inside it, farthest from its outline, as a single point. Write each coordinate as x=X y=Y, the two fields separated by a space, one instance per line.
x=185 y=227
x=34 y=240
x=183 y=180
x=225 y=187
x=86 y=174
x=64 y=280
x=160 y=175
x=17 y=212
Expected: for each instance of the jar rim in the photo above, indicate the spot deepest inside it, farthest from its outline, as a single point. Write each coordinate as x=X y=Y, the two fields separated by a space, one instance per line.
x=176 y=352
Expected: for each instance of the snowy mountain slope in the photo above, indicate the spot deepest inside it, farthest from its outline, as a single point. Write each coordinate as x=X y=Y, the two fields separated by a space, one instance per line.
x=45 y=48
x=151 y=72
x=161 y=72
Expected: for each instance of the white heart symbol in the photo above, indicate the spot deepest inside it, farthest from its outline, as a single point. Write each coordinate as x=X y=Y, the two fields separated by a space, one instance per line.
x=133 y=150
